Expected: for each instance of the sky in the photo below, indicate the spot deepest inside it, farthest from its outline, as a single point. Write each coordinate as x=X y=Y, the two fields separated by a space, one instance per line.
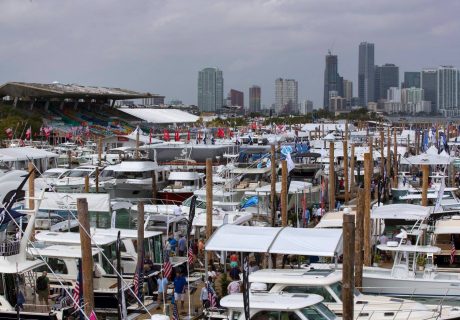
x=158 y=46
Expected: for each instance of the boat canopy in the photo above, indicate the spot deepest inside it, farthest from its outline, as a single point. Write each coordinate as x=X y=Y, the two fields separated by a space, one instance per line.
x=400 y=211
x=272 y=301
x=299 y=276
x=287 y=240
x=430 y=158
x=294 y=187
x=133 y=166
x=184 y=176
x=24 y=154
x=61 y=251
x=72 y=238
x=410 y=248
x=448 y=226
x=97 y=202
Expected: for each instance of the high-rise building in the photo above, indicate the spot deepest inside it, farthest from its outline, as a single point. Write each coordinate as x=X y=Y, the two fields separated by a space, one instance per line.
x=366 y=73
x=306 y=107
x=411 y=79
x=348 y=91
x=429 y=84
x=332 y=80
x=236 y=98
x=254 y=99
x=386 y=76
x=286 y=96
x=210 y=90
x=448 y=91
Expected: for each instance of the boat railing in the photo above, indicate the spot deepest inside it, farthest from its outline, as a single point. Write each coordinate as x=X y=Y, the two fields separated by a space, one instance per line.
x=9 y=248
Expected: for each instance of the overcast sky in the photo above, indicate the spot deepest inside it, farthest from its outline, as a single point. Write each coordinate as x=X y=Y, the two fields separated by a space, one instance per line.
x=159 y=46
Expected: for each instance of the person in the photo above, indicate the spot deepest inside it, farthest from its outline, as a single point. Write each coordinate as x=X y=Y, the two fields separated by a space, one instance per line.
x=307 y=217
x=43 y=287
x=182 y=245
x=162 y=283
x=212 y=273
x=383 y=239
x=204 y=294
x=179 y=288
x=253 y=266
x=234 y=286
x=235 y=272
x=18 y=234
x=177 y=210
x=201 y=247
x=172 y=242
x=233 y=260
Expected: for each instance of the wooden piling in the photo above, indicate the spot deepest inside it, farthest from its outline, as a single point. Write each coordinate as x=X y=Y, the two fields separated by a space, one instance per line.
x=426 y=172
x=99 y=151
x=348 y=266
x=382 y=154
x=352 y=167
x=86 y=255
x=97 y=179
x=86 y=190
x=331 y=177
x=273 y=185
x=395 y=160
x=209 y=204
x=154 y=186
x=367 y=209
x=359 y=233
x=136 y=153
x=346 y=169
x=284 y=193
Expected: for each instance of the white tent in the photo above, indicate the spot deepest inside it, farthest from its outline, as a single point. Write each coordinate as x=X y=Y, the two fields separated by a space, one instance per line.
x=161 y=115
x=302 y=241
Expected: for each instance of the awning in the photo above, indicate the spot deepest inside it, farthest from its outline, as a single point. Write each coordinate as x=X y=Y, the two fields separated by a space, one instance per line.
x=288 y=240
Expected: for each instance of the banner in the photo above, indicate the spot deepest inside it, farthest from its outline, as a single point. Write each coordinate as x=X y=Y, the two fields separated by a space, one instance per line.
x=191 y=216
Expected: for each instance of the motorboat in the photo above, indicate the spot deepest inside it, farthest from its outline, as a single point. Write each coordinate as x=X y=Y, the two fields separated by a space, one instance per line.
x=181 y=185
x=74 y=180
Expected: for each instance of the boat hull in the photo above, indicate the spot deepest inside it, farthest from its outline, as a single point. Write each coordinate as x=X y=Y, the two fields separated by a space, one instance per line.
x=174 y=197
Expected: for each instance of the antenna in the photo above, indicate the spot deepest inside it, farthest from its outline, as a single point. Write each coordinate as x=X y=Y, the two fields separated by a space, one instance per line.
x=329 y=51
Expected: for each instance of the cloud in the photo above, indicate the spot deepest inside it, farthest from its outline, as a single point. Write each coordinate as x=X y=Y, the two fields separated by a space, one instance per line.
x=159 y=45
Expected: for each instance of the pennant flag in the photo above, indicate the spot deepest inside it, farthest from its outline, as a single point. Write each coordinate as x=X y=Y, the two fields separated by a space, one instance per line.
x=290 y=163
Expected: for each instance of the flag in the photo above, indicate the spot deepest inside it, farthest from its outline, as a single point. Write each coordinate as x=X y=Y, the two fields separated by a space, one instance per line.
x=453 y=251
x=92 y=316
x=176 y=136
x=8 y=215
x=191 y=216
x=29 y=133
x=190 y=255
x=138 y=281
x=166 y=135
x=440 y=194
x=9 y=133
x=76 y=294
x=290 y=163
x=212 y=296
x=175 y=315
x=167 y=267
x=188 y=136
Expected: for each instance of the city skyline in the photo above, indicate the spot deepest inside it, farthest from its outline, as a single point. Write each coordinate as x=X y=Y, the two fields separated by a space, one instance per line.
x=160 y=46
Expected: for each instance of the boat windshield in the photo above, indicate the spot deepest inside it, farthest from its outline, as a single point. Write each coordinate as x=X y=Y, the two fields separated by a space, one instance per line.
x=318 y=312
x=337 y=288
x=76 y=174
x=47 y=174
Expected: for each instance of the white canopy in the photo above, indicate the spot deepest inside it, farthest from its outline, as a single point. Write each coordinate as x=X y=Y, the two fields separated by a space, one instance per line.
x=430 y=159
x=24 y=154
x=294 y=187
x=161 y=115
x=400 y=211
x=68 y=201
x=448 y=226
x=302 y=241
x=133 y=166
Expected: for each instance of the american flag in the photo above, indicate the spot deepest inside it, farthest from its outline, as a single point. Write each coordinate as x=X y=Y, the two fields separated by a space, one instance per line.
x=76 y=290
x=190 y=255
x=175 y=315
x=167 y=269
x=138 y=282
x=452 y=252
x=211 y=295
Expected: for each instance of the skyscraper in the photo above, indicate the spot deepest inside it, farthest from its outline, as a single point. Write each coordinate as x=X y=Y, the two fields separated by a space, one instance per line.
x=366 y=73
x=411 y=79
x=332 y=79
x=348 y=91
x=236 y=98
x=286 y=96
x=448 y=91
x=210 y=90
x=429 y=84
x=254 y=98
x=386 y=76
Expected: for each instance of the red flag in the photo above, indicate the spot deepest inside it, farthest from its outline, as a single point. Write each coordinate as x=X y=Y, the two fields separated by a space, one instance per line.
x=68 y=135
x=166 y=135
x=254 y=126
x=188 y=136
x=29 y=133
x=9 y=133
x=176 y=136
x=220 y=133
x=150 y=136
x=92 y=316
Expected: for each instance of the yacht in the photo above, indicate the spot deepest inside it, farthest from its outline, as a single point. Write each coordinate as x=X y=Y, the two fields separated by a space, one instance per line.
x=328 y=284
x=132 y=179
x=181 y=185
x=74 y=180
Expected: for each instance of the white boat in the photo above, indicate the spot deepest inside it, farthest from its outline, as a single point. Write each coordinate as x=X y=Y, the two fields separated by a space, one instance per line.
x=267 y=306
x=74 y=180
x=328 y=284
x=181 y=185
x=48 y=179
x=132 y=179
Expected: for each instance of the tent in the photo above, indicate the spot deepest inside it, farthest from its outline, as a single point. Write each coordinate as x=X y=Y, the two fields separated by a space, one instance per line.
x=287 y=240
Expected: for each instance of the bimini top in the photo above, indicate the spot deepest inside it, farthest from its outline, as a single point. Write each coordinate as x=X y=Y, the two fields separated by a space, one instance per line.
x=334 y=219
x=185 y=176
x=400 y=211
x=448 y=226
x=272 y=301
x=72 y=238
x=60 y=251
x=410 y=248
x=301 y=241
x=317 y=277
x=125 y=233
x=24 y=154
x=20 y=266
x=294 y=187
x=133 y=166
